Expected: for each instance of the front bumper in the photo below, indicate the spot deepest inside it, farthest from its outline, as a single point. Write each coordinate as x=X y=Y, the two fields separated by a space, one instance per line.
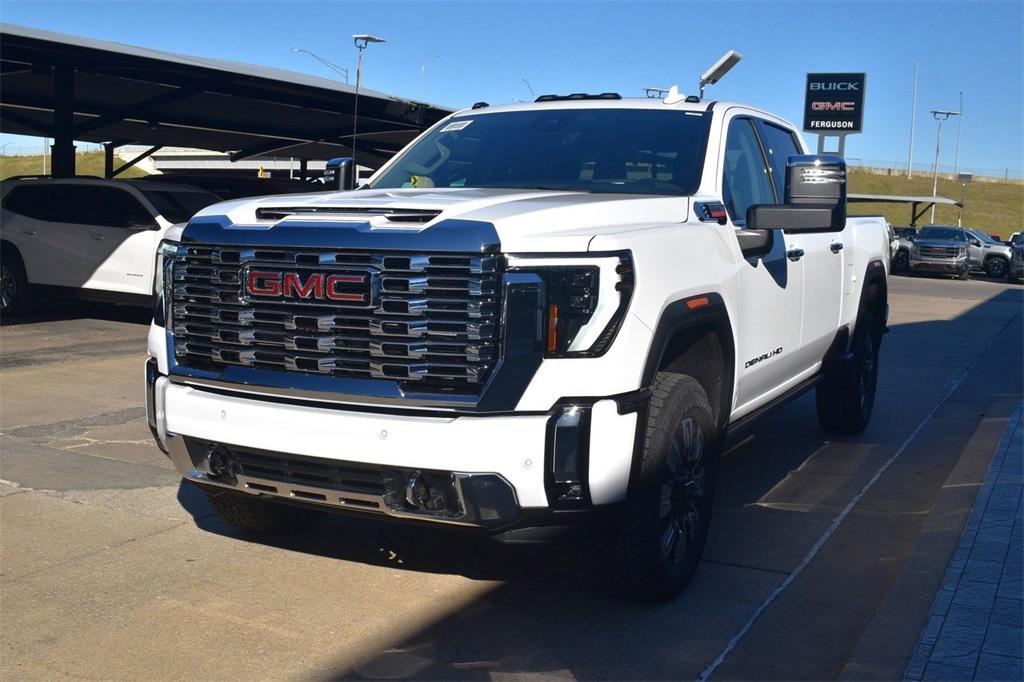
x=945 y=266
x=499 y=467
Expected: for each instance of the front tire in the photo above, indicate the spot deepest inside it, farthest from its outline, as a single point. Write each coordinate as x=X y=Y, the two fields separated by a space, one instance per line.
x=996 y=267
x=665 y=522
x=901 y=263
x=13 y=285
x=846 y=397
x=254 y=515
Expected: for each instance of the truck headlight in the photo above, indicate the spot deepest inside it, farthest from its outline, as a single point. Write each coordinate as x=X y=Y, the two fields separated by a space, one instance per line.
x=961 y=252
x=586 y=301
x=165 y=251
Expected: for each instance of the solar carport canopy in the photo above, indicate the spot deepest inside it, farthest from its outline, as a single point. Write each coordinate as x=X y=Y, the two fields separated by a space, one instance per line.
x=72 y=88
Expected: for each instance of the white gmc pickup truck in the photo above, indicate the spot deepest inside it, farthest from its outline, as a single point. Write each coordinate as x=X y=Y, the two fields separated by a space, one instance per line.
x=538 y=321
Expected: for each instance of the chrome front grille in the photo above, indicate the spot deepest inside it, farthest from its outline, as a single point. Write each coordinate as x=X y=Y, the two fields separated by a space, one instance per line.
x=431 y=319
x=939 y=251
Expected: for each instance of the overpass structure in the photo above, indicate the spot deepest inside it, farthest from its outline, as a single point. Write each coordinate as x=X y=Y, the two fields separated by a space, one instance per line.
x=73 y=88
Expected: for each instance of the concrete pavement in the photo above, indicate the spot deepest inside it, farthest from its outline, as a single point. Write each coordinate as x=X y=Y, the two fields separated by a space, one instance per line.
x=110 y=569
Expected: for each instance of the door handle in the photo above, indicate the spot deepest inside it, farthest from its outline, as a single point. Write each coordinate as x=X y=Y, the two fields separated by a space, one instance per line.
x=29 y=232
x=795 y=254
x=98 y=237
x=836 y=247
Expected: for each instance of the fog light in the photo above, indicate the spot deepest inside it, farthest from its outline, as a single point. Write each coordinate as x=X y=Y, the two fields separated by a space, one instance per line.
x=417 y=491
x=217 y=464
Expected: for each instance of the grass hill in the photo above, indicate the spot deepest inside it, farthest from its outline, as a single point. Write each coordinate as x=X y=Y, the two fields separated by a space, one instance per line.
x=87 y=163
x=996 y=207
x=990 y=206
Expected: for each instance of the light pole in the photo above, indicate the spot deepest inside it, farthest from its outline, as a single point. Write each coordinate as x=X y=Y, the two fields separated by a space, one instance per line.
x=330 y=65
x=959 y=125
x=963 y=179
x=913 y=117
x=940 y=116
x=423 y=75
x=361 y=40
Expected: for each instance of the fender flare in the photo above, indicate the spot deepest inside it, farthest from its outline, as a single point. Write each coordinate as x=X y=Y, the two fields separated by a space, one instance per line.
x=874 y=273
x=680 y=316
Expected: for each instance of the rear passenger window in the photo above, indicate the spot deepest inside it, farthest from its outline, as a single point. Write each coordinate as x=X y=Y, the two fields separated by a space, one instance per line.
x=779 y=145
x=68 y=204
x=745 y=181
x=115 y=207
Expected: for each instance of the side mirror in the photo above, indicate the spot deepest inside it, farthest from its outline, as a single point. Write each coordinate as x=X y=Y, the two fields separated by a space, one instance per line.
x=815 y=198
x=975 y=242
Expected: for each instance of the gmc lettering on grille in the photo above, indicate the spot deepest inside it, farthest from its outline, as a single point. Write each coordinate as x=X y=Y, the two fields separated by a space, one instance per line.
x=318 y=286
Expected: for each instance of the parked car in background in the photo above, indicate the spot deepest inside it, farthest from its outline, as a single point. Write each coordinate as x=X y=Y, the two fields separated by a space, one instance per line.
x=239 y=187
x=1016 y=239
x=1016 y=271
x=988 y=254
x=940 y=249
x=901 y=258
x=86 y=237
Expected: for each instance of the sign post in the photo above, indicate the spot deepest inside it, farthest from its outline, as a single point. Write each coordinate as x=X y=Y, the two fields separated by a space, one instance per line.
x=834 y=106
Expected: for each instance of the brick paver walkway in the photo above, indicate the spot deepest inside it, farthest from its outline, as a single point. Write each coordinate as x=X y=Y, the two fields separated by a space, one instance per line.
x=975 y=630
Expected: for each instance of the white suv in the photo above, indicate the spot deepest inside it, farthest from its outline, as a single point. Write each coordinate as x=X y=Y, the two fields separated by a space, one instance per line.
x=87 y=237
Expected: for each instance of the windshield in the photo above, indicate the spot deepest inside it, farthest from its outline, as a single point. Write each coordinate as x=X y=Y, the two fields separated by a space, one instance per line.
x=945 y=233
x=632 y=151
x=179 y=206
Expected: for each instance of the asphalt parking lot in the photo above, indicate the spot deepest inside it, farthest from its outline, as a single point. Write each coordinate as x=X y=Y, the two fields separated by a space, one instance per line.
x=823 y=559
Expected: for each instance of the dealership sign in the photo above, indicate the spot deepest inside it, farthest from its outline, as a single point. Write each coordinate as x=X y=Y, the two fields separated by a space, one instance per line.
x=834 y=103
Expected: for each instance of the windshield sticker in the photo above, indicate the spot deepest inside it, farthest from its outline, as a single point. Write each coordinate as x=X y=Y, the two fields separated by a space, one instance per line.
x=456 y=125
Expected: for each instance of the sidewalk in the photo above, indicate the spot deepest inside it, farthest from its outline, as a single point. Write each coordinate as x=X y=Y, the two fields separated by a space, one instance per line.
x=975 y=629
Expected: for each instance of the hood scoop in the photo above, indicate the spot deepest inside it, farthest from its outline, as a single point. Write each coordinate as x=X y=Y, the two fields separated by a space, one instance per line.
x=396 y=215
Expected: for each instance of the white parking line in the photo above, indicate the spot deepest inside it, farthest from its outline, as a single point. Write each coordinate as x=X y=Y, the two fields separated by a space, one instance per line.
x=951 y=386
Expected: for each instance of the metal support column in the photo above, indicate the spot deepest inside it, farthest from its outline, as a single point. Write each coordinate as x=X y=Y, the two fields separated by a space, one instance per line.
x=108 y=159
x=63 y=149
x=303 y=169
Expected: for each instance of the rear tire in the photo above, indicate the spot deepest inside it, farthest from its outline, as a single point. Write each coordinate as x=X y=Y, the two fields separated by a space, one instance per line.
x=660 y=538
x=997 y=267
x=254 y=515
x=14 y=293
x=846 y=397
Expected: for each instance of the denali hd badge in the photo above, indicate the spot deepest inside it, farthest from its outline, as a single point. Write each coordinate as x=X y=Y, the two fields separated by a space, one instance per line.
x=762 y=357
x=315 y=287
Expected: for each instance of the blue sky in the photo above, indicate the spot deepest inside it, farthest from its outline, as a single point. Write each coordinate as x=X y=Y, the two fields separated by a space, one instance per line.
x=487 y=48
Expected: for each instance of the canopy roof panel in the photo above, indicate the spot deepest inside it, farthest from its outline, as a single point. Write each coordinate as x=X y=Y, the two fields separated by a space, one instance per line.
x=134 y=95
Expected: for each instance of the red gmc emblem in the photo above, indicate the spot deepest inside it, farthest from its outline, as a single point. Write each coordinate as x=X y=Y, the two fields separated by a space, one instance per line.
x=316 y=286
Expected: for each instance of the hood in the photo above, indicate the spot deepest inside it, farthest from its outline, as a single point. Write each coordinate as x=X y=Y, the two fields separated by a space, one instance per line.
x=524 y=220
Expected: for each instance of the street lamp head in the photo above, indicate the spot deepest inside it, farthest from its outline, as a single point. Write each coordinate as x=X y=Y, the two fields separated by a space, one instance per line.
x=719 y=69
x=361 y=40
x=942 y=115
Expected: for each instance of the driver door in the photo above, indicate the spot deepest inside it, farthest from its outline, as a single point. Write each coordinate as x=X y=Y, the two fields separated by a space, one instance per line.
x=770 y=282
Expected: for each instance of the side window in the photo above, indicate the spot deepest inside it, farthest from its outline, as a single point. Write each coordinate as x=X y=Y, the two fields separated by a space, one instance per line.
x=745 y=181
x=117 y=208
x=26 y=200
x=779 y=145
x=68 y=204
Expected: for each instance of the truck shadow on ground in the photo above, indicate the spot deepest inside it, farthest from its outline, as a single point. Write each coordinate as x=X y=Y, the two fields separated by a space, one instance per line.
x=777 y=493
x=54 y=311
